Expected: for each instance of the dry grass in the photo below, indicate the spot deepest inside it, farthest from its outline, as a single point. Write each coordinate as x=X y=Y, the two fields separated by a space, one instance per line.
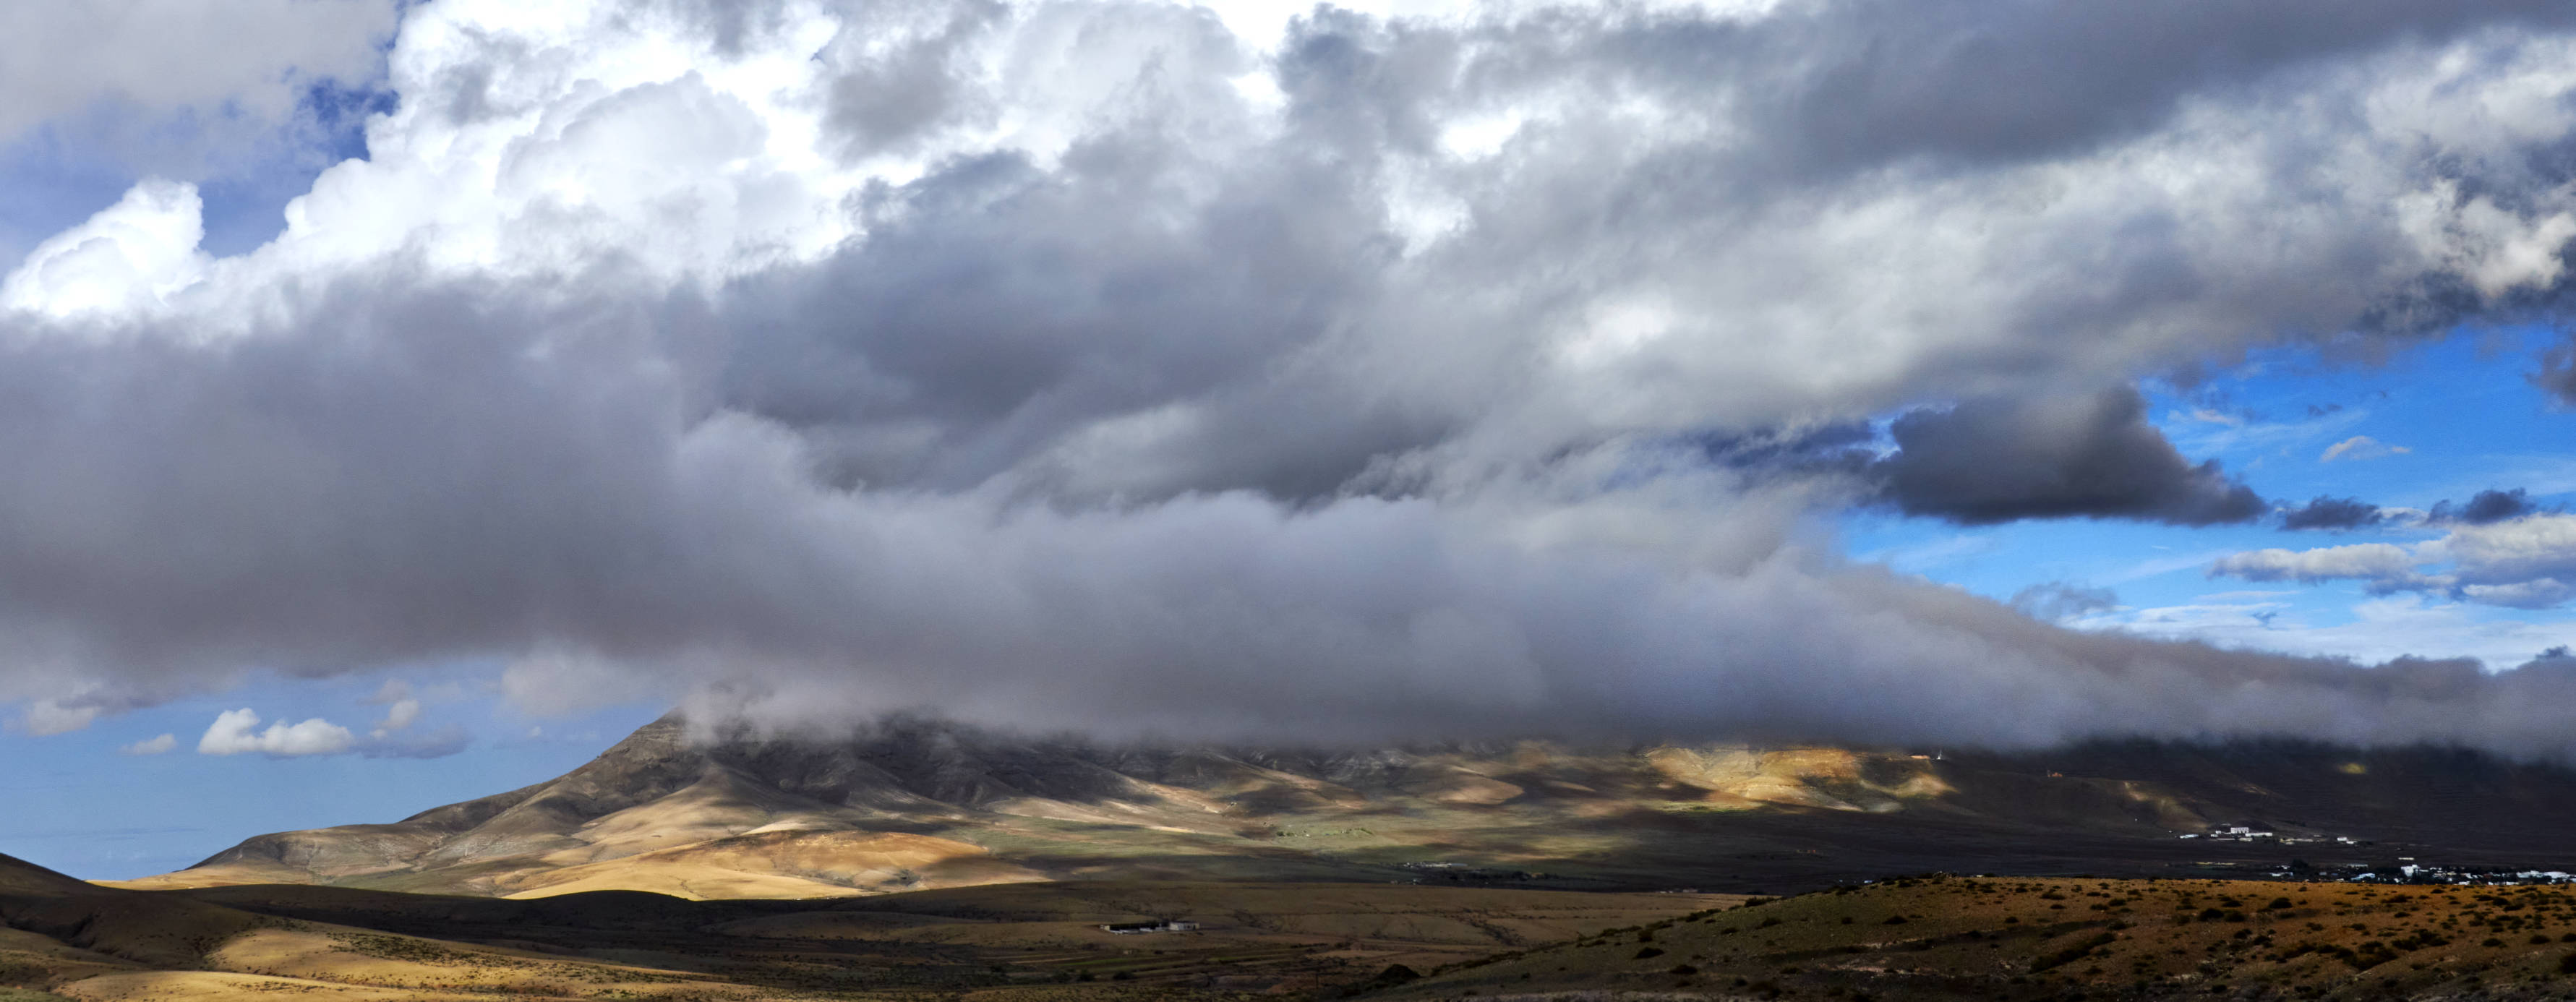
x=1002 y=943
x=2007 y=938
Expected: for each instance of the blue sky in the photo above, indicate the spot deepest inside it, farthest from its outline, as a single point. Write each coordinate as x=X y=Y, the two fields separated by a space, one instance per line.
x=1238 y=371
x=82 y=806
x=2460 y=408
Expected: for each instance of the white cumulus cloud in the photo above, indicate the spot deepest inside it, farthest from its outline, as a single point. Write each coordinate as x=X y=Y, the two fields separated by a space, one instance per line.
x=235 y=732
x=128 y=256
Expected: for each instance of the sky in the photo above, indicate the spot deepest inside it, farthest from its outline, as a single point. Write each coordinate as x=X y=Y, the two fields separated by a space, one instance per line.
x=401 y=401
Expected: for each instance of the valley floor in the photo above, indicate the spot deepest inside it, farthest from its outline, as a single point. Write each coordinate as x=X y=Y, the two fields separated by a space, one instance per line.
x=1933 y=937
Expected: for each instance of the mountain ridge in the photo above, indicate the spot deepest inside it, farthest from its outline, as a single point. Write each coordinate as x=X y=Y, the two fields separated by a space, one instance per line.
x=907 y=804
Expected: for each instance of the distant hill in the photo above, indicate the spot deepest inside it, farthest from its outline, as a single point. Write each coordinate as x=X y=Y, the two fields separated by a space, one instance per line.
x=913 y=804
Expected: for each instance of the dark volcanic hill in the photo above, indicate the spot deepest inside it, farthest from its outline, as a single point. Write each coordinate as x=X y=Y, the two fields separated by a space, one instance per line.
x=910 y=804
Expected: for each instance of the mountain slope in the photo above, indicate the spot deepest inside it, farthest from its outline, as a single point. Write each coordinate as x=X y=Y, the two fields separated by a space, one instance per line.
x=913 y=804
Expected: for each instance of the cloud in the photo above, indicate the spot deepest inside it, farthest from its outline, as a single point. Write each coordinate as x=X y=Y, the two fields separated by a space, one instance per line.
x=2538 y=593
x=437 y=743
x=2057 y=601
x=1091 y=365
x=235 y=732
x=401 y=708
x=2360 y=447
x=2385 y=562
x=2485 y=508
x=46 y=717
x=2333 y=513
x=399 y=715
x=2095 y=456
x=2520 y=551
x=152 y=746
x=134 y=252
x=245 y=59
x=2524 y=562
x=2557 y=374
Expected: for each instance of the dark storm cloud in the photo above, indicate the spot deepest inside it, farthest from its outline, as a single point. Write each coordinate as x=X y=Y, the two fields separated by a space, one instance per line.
x=2484 y=508
x=1280 y=338
x=958 y=317
x=1273 y=324
x=1959 y=80
x=2331 y=513
x=2089 y=456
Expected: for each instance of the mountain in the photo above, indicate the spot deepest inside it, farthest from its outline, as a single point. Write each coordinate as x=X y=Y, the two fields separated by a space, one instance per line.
x=910 y=804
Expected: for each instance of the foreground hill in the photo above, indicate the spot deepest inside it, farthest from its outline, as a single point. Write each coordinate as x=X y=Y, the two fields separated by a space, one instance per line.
x=1926 y=938
x=910 y=805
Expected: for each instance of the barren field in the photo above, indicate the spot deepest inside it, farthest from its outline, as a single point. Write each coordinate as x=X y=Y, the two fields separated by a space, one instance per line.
x=1983 y=938
x=1933 y=937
